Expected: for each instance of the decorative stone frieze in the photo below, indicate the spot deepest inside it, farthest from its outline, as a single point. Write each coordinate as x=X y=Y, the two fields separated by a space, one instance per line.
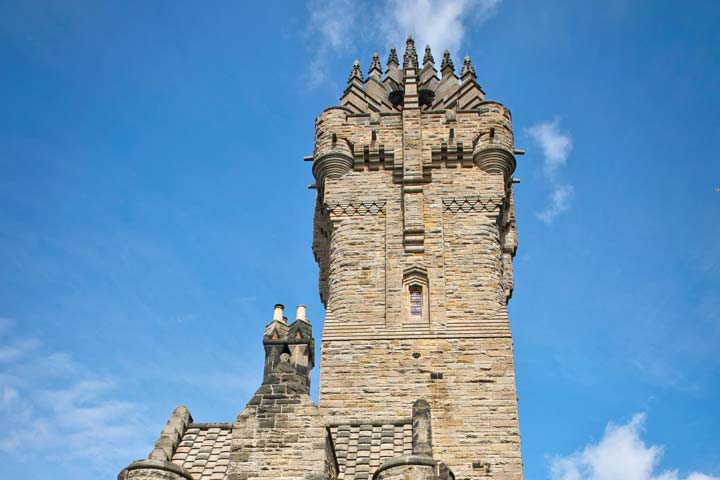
x=374 y=207
x=472 y=205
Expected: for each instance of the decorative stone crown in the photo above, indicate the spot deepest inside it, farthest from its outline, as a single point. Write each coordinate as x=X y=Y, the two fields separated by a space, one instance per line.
x=378 y=94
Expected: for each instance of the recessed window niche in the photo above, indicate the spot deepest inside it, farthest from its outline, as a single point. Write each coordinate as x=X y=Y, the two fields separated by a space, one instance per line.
x=416 y=297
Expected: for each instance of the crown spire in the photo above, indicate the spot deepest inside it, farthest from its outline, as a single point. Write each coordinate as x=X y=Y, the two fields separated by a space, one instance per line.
x=447 y=62
x=375 y=67
x=428 y=58
x=410 y=59
x=467 y=67
x=393 y=58
x=355 y=73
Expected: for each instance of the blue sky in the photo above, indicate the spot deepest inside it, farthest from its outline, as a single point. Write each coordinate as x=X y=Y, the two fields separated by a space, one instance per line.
x=153 y=209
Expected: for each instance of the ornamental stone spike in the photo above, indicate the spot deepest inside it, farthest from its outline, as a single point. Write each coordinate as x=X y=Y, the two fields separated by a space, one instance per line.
x=447 y=65
x=393 y=58
x=356 y=73
x=375 y=67
x=467 y=67
x=428 y=58
x=410 y=58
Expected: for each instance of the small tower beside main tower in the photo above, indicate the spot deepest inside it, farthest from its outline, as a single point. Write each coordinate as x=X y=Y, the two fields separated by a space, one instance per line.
x=414 y=235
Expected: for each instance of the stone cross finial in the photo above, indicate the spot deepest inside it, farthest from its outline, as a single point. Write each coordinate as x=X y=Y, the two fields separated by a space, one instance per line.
x=410 y=59
x=355 y=73
x=447 y=64
x=393 y=58
x=467 y=67
x=428 y=58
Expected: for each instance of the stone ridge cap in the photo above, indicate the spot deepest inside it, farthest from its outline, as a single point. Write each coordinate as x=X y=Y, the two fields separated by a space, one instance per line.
x=331 y=422
x=208 y=425
x=331 y=443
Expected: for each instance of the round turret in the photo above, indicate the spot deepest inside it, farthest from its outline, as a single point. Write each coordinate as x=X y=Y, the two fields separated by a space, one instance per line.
x=333 y=156
x=154 y=470
x=493 y=151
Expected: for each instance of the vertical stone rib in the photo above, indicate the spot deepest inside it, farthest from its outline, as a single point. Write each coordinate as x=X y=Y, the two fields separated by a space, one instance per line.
x=412 y=192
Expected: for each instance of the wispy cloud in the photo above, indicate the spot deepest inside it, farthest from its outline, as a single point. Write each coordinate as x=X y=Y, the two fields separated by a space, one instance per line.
x=560 y=199
x=556 y=146
x=446 y=30
x=337 y=26
x=331 y=30
x=621 y=454
x=55 y=408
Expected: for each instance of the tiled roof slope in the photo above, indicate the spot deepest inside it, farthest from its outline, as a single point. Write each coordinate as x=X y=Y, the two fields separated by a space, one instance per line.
x=362 y=448
x=204 y=450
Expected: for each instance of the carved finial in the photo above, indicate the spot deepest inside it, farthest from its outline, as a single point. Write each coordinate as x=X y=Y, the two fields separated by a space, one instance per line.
x=375 y=65
x=410 y=59
x=447 y=63
x=428 y=56
x=355 y=72
x=467 y=67
x=393 y=58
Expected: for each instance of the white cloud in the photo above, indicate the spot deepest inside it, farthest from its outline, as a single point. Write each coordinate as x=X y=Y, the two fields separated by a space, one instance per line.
x=55 y=408
x=337 y=26
x=556 y=146
x=17 y=349
x=559 y=202
x=438 y=23
x=332 y=28
x=620 y=455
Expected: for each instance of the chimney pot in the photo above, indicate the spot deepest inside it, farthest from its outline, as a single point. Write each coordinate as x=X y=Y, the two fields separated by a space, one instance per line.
x=278 y=313
x=301 y=312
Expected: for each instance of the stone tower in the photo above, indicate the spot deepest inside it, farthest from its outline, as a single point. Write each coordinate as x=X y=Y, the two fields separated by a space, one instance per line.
x=414 y=235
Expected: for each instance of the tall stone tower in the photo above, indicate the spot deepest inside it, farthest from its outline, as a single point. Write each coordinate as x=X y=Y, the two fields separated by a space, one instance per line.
x=414 y=236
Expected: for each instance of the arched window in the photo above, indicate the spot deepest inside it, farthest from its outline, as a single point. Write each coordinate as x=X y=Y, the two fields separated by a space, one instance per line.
x=416 y=300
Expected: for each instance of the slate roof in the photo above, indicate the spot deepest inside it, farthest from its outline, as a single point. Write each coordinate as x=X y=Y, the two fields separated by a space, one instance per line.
x=204 y=450
x=362 y=448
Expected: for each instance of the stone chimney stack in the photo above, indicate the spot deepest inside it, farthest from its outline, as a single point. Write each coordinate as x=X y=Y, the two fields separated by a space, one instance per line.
x=291 y=344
